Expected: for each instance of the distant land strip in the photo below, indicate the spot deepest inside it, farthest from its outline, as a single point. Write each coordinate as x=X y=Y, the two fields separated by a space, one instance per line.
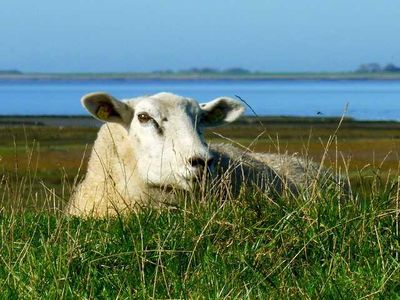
x=262 y=122
x=16 y=75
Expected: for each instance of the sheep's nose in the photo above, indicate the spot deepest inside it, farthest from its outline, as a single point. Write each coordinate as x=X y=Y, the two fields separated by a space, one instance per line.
x=198 y=162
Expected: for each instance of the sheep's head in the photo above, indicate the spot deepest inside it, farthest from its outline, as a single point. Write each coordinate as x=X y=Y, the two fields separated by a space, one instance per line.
x=166 y=132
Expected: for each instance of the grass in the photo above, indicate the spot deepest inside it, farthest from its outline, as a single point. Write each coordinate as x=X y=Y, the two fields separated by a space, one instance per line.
x=315 y=245
x=251 y=247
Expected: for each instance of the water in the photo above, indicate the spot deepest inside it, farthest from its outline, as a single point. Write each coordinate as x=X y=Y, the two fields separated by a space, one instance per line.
x=366 y=100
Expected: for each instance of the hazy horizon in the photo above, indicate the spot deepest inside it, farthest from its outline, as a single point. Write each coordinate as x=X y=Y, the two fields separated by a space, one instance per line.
x=169 y=70
x=144 y=36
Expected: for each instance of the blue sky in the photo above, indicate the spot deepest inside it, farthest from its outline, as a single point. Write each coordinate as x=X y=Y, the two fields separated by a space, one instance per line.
x=129 y=35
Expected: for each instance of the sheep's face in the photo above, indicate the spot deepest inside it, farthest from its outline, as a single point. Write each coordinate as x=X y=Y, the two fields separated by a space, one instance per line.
x=166 y=132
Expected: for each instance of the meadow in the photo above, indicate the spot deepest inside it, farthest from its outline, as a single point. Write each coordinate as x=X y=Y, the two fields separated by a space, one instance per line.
x=319 y=244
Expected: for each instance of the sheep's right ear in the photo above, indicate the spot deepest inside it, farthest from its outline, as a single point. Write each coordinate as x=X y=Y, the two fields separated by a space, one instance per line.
x=106 y=108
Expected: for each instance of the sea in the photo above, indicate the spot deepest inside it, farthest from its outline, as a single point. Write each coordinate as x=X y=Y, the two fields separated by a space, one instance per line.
x=358 y=99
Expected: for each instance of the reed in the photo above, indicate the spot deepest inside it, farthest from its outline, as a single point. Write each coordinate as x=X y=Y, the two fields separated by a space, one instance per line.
x=321 y=243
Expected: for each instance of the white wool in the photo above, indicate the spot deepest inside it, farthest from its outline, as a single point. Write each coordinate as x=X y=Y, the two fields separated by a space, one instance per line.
x=152 y=145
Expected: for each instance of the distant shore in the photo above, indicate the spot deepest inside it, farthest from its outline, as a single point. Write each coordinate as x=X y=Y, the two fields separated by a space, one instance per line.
x=200 y=76
x=247 y=121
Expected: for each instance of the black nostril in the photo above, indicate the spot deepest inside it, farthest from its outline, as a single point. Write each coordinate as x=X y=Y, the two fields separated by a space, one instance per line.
x=200 y=162
x=197 y=162
x=210 y=161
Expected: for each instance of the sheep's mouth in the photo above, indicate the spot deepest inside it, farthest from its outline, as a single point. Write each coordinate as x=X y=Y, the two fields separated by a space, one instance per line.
x=165 y=188
x=183 y=182
x=199 y=175
x=200 y=179
x=168 y=188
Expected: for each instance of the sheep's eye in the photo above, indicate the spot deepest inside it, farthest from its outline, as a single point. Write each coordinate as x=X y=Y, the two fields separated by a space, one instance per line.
x=144 y=118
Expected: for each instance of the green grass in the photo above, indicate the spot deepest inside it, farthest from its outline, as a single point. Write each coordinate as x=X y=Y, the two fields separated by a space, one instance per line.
x=249 y=247
x=319 y=244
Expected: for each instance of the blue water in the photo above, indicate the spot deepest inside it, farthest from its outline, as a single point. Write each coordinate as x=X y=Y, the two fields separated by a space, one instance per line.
x=366 y=100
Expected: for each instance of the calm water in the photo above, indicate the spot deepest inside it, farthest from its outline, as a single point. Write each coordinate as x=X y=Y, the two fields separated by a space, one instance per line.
x=372 y=100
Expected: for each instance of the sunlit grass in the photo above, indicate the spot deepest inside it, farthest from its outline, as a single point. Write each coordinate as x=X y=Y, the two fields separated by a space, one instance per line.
x=319 y=244
x=249 y=247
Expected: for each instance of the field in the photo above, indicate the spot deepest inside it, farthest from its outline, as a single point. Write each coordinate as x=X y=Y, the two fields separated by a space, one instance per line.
x=315 y=245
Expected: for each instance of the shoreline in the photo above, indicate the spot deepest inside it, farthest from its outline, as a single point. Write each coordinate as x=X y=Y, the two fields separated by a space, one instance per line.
x=246 y=121
x=351 y=76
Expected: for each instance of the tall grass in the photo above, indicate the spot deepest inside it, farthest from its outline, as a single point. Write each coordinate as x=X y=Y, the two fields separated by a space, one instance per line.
x=317 y=244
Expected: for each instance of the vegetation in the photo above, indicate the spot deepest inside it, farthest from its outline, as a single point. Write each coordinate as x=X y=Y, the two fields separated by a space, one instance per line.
x=10 y=72
x=376 y=68
x=319 y=244
x=364 y=72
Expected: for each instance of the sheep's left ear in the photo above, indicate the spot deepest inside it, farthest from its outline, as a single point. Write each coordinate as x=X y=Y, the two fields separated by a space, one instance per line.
x=221 y=111
x=106 y=108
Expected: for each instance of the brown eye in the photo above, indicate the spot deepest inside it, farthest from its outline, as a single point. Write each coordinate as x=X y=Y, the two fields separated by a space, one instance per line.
x=144 y=118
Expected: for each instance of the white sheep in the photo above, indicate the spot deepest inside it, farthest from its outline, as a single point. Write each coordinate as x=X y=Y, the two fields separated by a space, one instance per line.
x=153 y=145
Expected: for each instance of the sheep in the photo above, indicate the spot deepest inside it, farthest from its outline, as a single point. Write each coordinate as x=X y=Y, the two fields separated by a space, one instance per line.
x=153 y=145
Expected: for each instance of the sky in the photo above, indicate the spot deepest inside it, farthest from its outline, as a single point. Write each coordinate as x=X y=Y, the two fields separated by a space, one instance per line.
x=148 y=35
